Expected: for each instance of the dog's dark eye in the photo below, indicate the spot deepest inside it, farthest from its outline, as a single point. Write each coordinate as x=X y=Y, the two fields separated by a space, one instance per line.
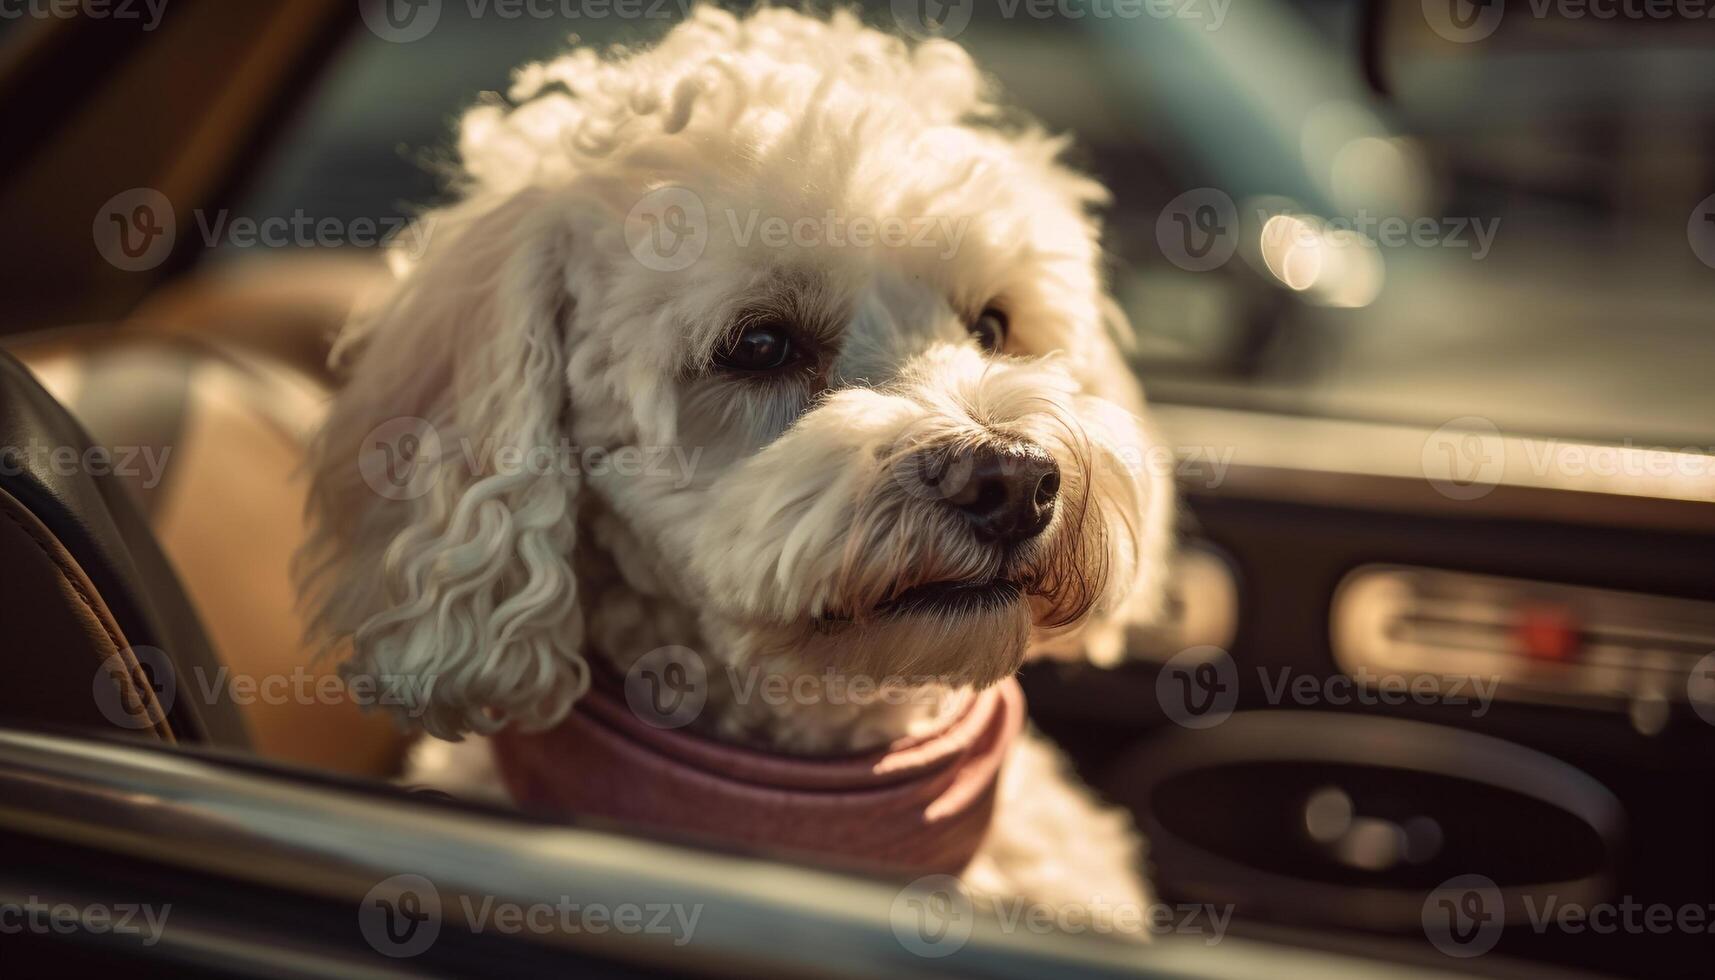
x=990 y=330
x=761 y=347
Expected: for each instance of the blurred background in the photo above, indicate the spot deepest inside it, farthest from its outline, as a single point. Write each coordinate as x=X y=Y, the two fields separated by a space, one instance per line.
x=1424 y=294
x=1559 y=160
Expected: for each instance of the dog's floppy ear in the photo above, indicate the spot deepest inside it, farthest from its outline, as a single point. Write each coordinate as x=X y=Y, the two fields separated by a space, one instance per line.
x=444 y=518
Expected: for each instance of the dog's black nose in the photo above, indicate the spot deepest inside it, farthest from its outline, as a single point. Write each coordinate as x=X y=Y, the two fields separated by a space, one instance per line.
x=1006 y=492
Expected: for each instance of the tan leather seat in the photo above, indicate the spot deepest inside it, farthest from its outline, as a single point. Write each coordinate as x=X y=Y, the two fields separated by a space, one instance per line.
x=209 y=438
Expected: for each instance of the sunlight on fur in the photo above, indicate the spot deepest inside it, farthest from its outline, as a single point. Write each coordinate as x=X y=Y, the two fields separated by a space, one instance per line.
x=802 y=537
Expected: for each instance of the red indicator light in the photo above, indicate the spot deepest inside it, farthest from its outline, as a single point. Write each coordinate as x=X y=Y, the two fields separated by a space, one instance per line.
x=1546 y=633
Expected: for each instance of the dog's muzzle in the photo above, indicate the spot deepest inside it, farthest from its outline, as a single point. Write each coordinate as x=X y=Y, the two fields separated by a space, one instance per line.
x=1005 y=490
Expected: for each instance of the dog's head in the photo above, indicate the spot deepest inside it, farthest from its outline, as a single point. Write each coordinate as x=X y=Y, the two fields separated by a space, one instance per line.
x=787 y=299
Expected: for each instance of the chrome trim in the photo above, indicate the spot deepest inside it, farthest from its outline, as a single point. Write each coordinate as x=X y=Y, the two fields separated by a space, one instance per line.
x=266 y=827
x=1375 y=466
x=1454 y=627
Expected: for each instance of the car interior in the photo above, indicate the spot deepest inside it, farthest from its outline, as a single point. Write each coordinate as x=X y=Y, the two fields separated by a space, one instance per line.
x=1447 y=533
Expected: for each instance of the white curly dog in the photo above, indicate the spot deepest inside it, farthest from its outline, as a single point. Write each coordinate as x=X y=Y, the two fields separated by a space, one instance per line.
x=822 y=263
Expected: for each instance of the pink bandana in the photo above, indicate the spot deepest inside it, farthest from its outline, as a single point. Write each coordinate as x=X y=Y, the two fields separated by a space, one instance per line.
x=920 y=805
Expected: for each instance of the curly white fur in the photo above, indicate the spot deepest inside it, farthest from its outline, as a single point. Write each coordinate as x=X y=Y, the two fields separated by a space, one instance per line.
x=529 y=326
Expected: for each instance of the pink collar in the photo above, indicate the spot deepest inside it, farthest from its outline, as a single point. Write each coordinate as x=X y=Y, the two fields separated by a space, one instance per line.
x=920 y=805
